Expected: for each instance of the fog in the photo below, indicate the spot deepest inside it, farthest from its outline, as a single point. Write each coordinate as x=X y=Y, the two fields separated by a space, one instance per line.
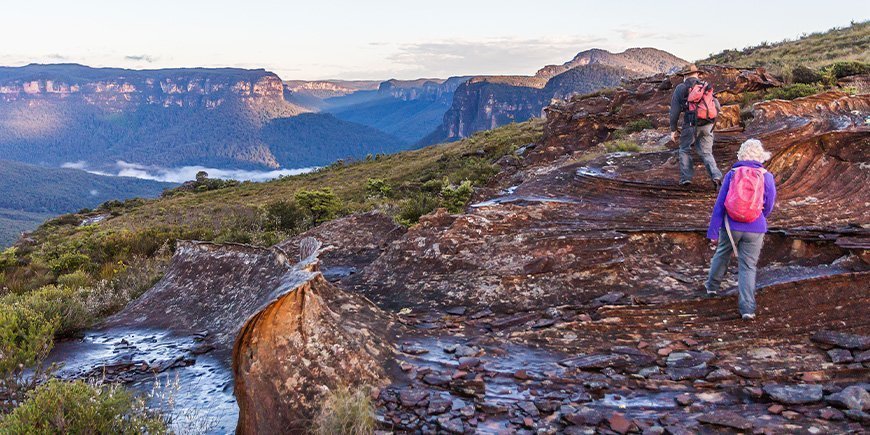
x=183 y=173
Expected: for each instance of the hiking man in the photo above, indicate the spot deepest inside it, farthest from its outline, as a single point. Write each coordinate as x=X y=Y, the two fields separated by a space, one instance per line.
x=698 y=123
x=744 y=202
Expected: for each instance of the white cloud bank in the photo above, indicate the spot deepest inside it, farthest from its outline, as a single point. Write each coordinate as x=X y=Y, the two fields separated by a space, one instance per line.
x=184 y=173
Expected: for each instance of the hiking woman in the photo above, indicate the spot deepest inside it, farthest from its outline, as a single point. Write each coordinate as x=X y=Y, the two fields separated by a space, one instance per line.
x=744 y=202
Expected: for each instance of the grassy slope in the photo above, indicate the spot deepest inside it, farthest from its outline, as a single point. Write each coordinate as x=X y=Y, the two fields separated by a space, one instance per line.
x=814 y=51
x=14 y=222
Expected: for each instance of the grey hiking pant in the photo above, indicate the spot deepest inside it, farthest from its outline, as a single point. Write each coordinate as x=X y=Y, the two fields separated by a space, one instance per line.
x=748 y=249
x=702 y=139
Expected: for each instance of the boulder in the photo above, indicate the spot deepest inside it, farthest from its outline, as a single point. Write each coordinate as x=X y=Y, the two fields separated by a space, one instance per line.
x=797 y=394
x=852 y=397
x=842 y=339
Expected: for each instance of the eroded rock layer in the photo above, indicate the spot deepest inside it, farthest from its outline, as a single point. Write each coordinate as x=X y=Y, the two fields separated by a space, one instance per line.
x=308 y=338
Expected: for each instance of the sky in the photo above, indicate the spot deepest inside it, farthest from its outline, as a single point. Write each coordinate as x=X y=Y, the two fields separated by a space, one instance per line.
x=382 y=39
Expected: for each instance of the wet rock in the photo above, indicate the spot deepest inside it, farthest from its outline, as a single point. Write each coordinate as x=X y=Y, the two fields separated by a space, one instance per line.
x=412 y=398
x=852 y=397
x=469 y=387
x=840 y=356
x=689 y=358
x=842 y=339
x=493 y=408
x=438 y=405
x=831 y=414
x=436 y=379
x=649 y=371
x=413 y=349
x=687 y=373
x=456 y=311
x=547 y=406
x=859 y=416
x=581 y=417
x=468 y=362
x=726 y=419
x=463 y=351
x=797 y=394
x=451 y=425
x=720 y=375
x=618 y=423
x=529 y=408
x=598 y=361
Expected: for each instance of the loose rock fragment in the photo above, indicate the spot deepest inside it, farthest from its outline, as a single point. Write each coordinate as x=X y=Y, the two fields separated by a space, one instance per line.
x=797 y=394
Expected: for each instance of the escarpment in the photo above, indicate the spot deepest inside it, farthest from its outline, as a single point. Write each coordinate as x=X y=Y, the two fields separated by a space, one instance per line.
x=567 y=297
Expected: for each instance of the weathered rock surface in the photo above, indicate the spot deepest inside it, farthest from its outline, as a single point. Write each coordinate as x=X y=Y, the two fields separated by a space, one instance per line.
x=309 y=337
x=794 y=394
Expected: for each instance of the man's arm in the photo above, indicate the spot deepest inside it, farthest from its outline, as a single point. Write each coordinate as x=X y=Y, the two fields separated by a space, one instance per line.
x=676 y=105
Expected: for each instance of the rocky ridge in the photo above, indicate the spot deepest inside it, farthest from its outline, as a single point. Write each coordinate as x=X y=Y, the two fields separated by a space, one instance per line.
x=567 y=298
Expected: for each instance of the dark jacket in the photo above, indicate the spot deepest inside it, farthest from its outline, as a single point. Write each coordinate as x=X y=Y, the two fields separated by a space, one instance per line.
x=717 y=220
x=678 y=103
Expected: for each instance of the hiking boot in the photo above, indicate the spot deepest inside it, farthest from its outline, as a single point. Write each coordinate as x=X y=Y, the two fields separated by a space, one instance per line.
x=685 y=182
x=748 y=316
x=712 y=292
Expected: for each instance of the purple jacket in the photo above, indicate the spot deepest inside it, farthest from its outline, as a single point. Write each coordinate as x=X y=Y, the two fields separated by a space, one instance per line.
x=717 y=221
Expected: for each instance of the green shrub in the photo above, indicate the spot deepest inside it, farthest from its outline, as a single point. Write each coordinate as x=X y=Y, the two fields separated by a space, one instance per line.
x=417 y=205
x=378 y=188
x=8 y=258
x=80 y=408
x=61 y=304
x=790 y=92
x=638 y=125
x=74 y=280
x=433 y=186
x=26 y=337
x=69 y=262
x=322 y=205
x=346 y=411
x=621 y=145
x=285 y=216
x=845 y=69
x=802 y=74
x=455 y=197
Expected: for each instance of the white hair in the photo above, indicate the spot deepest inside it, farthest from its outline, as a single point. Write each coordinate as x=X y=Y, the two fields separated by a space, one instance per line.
x=752 y=149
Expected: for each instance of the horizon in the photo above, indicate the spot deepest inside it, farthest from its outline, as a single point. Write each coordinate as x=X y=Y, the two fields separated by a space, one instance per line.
x=389 y=41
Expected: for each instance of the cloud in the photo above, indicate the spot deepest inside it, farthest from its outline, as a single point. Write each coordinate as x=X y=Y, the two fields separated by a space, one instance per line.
x=186 y=173
x=502 y=55
x=640 y=34
x=140 y=58
x=81 y=164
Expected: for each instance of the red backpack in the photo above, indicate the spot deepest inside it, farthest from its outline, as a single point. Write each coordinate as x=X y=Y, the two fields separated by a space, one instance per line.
x=702 y=102
x=745 y=198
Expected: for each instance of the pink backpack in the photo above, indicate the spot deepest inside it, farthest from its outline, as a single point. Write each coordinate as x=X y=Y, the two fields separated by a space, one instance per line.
x=701 y=101
x=745 y=198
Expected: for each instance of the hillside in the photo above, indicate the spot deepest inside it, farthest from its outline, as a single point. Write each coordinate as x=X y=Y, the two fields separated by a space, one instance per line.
x=489 y=101
x=54 y=114
x=32 y=193
x=814 y=51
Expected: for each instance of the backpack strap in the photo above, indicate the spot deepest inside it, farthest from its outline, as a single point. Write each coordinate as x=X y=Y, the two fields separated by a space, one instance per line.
x=730 y=236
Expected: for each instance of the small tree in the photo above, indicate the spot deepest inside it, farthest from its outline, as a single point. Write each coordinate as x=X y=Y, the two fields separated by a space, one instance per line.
x=322 y=205
x=378 y=188
x=201 y=176
x=455 y=197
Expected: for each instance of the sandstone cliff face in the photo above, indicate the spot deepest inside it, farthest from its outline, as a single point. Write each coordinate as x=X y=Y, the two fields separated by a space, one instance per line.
x=117 y=89
x=487 y=102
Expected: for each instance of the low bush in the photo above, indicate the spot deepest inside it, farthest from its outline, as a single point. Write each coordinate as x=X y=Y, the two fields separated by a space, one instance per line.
x=322 y=205
x=454 y=197
x=790 y=92
x=638 y=125
x=378 y=188
x=26 y=338
x=845 y=69
x=411 y=209
x=81 y=408
x=285 y=216
x=62 y=305
x=802 y=74
x=69 y=262
x=346 y=411
x=621 y=145
x=8 y=258
x=74 y=280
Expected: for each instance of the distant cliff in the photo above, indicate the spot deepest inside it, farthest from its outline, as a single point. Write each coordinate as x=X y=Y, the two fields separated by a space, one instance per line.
x=53 y=114
x=486 y=102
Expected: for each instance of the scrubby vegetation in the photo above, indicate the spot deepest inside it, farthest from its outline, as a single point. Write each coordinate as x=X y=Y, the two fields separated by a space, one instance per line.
x=621 y=145
x=346 y=411
x=814 y=51
x=81 y=408
x=68 y=276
